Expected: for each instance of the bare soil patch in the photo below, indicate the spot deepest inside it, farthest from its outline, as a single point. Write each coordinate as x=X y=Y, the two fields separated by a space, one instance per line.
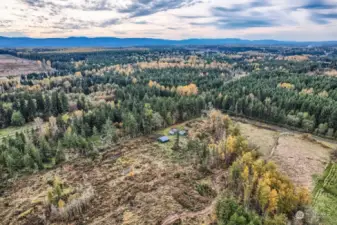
x=13 y=66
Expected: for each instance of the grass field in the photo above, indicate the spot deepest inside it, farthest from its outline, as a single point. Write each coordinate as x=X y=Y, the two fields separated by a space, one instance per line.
x=296 y=155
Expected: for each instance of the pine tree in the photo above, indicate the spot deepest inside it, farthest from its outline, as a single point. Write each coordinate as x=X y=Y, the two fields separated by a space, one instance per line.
x=54 y=103
x=40 y=105
x=17 y=119
x=31 y=109
x=60 y=156
x=64 y=102
x=110 y=132
x=47 y=106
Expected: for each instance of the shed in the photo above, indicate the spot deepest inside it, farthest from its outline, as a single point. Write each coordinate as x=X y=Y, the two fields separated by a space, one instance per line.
x=182 y=133
x=173 y=131
x=163 y=139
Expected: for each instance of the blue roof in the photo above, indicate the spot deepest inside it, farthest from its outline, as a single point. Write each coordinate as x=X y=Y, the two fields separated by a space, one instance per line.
x=163 y=139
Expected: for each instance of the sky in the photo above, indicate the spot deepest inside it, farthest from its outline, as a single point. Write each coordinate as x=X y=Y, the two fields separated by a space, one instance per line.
x=300 y=20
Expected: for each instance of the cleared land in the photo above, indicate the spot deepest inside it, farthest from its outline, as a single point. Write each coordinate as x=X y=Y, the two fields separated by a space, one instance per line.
x=136 y=182
x=297 y=155
x=300 y=159
x=141 y=181
x=13 y=66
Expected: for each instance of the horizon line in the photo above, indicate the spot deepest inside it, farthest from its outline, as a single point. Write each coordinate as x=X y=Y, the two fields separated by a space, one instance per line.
x=196 y=38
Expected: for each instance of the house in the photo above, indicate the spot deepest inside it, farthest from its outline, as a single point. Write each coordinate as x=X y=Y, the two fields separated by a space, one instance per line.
x=173 y=131
x=163 y=139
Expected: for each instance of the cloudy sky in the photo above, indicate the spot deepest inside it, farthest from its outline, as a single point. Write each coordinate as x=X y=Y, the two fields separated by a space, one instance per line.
x=171 y=19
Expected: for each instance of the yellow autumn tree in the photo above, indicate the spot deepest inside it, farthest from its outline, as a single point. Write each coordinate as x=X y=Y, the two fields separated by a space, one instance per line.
x=263 y=193
x=230 y=144
x=78 y=74
x=187 y=90
x=151 y=83
x=273 y=200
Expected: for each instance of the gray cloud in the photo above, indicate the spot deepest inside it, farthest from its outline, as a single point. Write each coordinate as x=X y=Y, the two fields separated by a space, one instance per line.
x=238 y=23
x=147 y=7
x=317 y=4
x=141 y=22
x=72 y=24
x=89 y=5
x=109 y=22
x=323 y=18
x=240 y=16
x=245 y=22
x=320 y=11
x=220 y=11
x=5 y=23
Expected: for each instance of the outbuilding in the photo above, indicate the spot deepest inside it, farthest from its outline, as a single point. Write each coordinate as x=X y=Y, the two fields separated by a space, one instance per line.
x=163 y=139
x=173 y=131
x=182 y=133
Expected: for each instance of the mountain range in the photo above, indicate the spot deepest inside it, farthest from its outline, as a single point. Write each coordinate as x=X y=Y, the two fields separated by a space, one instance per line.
x=15 y=42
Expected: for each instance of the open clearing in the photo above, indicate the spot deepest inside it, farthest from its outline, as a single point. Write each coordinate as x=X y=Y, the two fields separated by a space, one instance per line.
x=13 y=66
x=298 y=156
x=141 y=181
x=136 y=182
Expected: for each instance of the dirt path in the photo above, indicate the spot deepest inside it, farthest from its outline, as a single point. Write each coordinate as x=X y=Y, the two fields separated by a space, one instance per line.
x=277 y=139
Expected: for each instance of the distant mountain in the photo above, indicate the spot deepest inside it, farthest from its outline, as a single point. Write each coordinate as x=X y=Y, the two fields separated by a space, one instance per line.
x=7 y=42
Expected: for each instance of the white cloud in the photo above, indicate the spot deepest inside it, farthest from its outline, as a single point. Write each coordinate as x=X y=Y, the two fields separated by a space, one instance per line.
x=172 y=19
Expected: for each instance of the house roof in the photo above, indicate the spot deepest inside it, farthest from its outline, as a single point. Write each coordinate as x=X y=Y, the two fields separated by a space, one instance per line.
x=163 y=139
